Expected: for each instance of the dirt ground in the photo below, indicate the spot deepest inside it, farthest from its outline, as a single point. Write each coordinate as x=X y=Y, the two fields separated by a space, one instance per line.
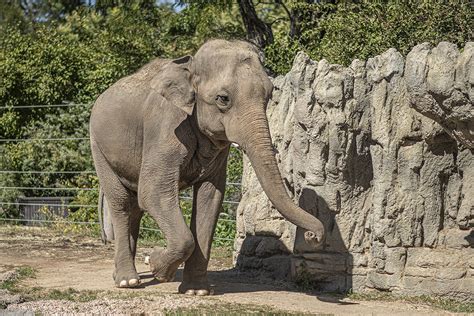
x=74 y=275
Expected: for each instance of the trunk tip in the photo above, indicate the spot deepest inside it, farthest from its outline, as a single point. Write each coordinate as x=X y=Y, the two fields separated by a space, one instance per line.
x=314 y=239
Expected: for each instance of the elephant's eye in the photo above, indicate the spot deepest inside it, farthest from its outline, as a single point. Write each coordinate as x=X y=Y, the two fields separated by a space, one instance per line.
x=223 y=101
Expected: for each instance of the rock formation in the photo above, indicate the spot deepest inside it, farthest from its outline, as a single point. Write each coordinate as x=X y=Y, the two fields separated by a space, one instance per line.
x=383 y=153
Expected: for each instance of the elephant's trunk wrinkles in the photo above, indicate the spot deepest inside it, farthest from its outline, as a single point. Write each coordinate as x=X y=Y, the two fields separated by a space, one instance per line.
x=256 y=142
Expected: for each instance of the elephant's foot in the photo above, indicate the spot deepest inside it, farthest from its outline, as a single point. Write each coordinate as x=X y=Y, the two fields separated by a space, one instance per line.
x=195 y=288
x=126 y=279
x=163 y=269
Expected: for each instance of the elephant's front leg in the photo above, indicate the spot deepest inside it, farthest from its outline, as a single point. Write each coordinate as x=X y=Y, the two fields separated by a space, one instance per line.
x=207 y=204
x=158 y=194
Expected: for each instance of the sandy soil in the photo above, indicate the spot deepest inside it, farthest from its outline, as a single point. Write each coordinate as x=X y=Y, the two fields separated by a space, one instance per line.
x=85 y=264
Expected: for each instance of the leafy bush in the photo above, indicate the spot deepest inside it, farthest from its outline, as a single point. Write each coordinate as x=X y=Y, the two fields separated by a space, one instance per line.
x=75 y=60
x=348 y=30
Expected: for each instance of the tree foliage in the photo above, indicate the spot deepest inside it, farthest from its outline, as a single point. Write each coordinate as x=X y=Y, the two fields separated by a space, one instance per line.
x=341 y=31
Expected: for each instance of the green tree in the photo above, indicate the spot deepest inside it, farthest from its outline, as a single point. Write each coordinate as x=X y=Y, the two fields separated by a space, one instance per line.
x=341 y=31
x=74 y=58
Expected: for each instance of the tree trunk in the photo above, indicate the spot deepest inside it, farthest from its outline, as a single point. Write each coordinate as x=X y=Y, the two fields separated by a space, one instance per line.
x=258 y=32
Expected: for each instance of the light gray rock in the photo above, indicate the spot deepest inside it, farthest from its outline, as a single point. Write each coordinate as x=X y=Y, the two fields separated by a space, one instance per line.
x=441 y=69
x=382 y=153
x=383 y=281
x=395 y=260
x=440 y=82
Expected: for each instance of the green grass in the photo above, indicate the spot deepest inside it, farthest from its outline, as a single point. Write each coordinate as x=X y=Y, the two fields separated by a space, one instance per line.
x=13 y=285
x=441 y=303
x=26 y=272
x=39 y=293
x=69 y=295
x=73 y=295
x=220 y=308
x=20 y=274
x=229 y=309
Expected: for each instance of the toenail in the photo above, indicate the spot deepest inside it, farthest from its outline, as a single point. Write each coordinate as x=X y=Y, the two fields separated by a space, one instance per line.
x=202 y=292
x=133 y=282
x=123 y=283
x=190 y=292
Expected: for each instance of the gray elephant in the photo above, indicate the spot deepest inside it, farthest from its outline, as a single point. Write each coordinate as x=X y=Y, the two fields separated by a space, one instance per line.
x=168 y=127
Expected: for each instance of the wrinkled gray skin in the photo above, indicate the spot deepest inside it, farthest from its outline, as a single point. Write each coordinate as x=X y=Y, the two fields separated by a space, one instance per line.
x=168 y=127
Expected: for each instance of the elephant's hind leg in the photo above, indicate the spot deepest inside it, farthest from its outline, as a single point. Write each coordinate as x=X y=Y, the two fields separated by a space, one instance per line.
x=122 y=204
x=135 y=219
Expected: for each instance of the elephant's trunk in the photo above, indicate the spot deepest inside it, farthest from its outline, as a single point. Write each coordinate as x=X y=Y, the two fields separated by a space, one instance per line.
x=256 y=142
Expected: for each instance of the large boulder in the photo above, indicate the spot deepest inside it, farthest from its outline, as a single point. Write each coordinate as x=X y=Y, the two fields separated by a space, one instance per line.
x=382 y=152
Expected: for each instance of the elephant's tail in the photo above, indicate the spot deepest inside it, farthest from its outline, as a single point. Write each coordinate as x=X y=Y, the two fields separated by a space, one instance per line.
x=106 y=227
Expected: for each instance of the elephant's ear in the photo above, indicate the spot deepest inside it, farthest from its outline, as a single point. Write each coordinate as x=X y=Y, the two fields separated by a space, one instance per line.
x=174 y=84
x=184 y=61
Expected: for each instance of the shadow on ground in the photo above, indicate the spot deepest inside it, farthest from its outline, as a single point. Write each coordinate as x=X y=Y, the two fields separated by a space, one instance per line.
x=233 y=281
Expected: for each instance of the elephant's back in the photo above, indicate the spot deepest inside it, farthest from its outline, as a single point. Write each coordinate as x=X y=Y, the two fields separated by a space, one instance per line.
x=125 y=100
x=117 y=120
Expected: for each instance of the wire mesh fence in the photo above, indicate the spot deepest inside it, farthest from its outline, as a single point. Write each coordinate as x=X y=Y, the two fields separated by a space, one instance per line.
x=39 y=191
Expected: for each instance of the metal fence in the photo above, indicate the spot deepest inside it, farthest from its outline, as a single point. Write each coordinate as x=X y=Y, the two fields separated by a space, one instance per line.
x=28 y=207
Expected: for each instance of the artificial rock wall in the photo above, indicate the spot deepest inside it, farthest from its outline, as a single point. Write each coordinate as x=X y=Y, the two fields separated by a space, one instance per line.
x=382 y=152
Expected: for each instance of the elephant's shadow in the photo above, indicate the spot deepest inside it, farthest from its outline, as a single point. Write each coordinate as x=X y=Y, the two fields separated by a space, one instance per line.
x=244 y=280
x=233 y=281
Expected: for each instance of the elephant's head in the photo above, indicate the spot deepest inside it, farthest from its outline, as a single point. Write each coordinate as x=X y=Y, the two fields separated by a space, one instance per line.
x=232 y=90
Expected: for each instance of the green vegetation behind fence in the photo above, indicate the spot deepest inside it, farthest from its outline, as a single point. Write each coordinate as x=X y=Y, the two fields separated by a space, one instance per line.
x=55 y=51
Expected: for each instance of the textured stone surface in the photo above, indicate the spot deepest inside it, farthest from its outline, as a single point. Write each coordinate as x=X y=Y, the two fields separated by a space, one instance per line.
x=441 y=85
x=382 y=152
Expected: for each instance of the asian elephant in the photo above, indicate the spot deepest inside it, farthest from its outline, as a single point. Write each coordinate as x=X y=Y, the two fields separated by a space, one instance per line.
x=169 y=126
